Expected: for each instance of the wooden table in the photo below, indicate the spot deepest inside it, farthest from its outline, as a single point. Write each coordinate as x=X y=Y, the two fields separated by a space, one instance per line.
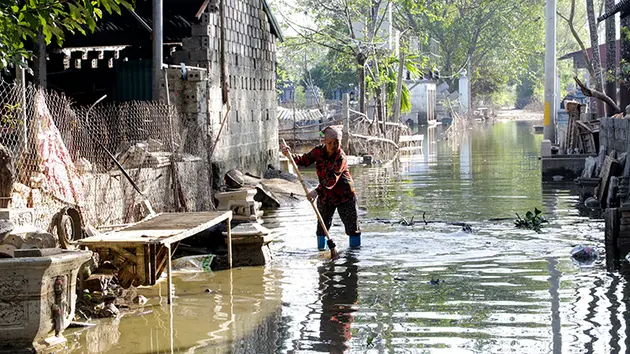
x=142 y=250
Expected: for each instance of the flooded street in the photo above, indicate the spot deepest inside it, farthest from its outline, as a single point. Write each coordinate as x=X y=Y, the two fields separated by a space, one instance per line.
x=409 y=289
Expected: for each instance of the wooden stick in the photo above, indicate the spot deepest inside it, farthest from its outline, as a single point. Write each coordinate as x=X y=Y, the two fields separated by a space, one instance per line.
x=229 y=237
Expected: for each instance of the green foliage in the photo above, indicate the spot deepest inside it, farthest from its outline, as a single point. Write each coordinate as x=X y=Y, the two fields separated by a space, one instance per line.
x=334 y=71
x=10 y=117
x=532 y=221
x=21 y=22
x=498 y=36
x=388 y=76
x=300 y=96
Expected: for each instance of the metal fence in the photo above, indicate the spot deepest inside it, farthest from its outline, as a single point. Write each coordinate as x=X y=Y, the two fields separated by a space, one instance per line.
x=62 y=153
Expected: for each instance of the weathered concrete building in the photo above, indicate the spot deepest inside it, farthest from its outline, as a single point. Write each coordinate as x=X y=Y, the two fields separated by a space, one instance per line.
x=116 y=60
x=423 y=102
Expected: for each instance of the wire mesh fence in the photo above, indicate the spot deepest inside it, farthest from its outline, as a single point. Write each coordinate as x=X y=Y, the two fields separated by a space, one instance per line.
x=64 y=154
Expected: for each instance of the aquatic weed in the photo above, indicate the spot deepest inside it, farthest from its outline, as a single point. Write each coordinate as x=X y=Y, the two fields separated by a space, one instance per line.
x=532 y=221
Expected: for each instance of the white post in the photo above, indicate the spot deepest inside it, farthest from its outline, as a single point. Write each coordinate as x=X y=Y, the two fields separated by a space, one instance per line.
x=345 y=116
x=550 y=72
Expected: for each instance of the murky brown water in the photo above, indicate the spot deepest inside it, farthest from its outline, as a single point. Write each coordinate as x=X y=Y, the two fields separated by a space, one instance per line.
x=504 y=290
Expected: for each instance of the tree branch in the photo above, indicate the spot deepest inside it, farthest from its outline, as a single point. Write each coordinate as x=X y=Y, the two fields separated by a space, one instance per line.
x=598 y=95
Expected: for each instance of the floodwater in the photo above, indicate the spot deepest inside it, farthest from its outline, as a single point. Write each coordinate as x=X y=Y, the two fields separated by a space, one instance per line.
x=500 y=289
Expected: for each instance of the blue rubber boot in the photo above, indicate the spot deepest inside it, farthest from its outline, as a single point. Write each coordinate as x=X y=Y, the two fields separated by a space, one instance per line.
x=321 y=243
x=355 y=241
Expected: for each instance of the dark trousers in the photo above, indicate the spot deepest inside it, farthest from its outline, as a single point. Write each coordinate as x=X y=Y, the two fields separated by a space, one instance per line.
x=348 y=213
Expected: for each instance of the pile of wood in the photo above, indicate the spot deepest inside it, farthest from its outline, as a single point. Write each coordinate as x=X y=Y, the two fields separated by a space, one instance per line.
x=581 y=137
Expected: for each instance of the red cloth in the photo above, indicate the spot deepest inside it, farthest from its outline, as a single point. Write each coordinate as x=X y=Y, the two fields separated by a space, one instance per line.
x=335 y=182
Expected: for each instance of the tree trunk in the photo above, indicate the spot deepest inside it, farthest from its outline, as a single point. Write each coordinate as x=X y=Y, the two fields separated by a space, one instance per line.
x=401 y=66
x=592 y=26
x=611 y=54
x=379 y=112
x=361 y=58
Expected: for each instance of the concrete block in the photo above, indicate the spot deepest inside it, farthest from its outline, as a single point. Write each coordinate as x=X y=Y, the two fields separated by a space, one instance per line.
x=545 y=148
x=200 y=30
x=206 y=18
x=191 y=43
x=197 y=75
x=204 y=42
x=203 y=54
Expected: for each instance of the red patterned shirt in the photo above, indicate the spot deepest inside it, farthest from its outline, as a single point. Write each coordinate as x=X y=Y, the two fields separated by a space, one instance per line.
x=335 y=182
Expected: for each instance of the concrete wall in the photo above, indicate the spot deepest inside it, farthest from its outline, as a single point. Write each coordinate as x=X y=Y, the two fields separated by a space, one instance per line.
x=422 y=103
x=110 y=199
x=249 y=140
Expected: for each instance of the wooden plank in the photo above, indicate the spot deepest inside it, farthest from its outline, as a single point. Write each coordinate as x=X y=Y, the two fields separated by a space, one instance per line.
x=609 y=168
x=140 y=265
x=130 y=257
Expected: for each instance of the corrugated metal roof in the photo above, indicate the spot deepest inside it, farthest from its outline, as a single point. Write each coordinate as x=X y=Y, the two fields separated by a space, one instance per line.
x=300 y=115
x=125 y=29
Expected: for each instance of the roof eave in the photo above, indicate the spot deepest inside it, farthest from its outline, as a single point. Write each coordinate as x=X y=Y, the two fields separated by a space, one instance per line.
x=272 y=21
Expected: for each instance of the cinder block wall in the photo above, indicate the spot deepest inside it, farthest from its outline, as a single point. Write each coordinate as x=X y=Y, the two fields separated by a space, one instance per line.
x=249 y=141
x=614 y=133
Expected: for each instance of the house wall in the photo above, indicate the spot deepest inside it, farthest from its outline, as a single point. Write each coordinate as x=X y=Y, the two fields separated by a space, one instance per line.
x=422 y=103
x=249 y=140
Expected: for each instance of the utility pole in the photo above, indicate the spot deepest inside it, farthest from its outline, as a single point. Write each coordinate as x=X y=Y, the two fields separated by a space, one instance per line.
x=158 y=47
x=550 y=72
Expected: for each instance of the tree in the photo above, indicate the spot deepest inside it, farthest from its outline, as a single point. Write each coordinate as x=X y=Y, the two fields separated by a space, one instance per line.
x=354 y=29
x=611 y=54
x=498 y=37
x=592 y=63
x=595 y=62
x=21 y=22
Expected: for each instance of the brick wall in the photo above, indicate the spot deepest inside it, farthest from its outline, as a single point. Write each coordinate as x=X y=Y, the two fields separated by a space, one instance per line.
x=249 y=140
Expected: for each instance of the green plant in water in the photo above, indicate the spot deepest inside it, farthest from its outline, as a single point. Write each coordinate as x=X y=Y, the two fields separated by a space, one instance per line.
x=532 y=221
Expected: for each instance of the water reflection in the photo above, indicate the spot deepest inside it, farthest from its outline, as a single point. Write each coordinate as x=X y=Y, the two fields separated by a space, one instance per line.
x=338 y=286
x=501 y=289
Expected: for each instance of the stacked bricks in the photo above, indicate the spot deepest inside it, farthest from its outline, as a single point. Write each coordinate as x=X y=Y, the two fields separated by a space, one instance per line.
x=250 y=139
x=614 y=133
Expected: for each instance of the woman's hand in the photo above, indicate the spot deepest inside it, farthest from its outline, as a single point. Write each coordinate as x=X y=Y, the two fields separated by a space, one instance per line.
x=286 y=151
x=312 y=195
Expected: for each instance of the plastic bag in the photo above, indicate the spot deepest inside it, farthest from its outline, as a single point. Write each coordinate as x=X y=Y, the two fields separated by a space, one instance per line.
x=198 y=263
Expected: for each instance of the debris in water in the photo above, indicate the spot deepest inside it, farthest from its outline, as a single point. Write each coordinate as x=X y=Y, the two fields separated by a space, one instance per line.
x=584 y=254
x=435 y=282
